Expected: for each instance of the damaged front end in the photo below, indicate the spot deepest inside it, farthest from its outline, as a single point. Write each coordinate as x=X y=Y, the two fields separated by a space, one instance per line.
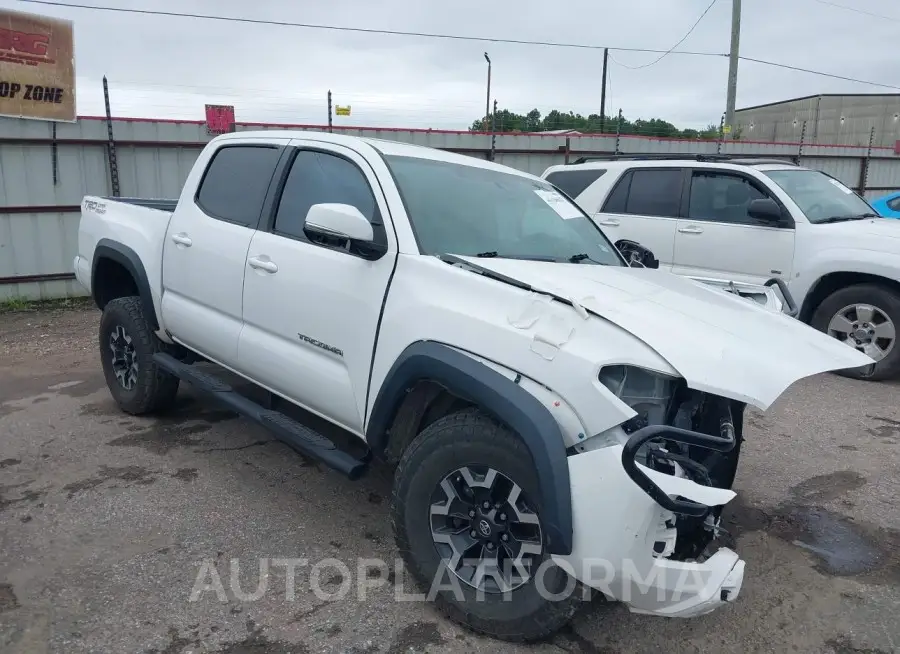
x=682 y=433
x=668 y=473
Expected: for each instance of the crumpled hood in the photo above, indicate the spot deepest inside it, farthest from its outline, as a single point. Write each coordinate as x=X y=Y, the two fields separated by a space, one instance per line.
x=719 y=343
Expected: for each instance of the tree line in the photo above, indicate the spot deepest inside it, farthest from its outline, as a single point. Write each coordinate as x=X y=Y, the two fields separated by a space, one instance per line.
x=533 y=121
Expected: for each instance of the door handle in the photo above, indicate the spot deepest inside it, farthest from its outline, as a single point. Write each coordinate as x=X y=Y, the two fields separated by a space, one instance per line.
x=262 y=264
x=610 y=222
x=690 y=230
x=182 y=239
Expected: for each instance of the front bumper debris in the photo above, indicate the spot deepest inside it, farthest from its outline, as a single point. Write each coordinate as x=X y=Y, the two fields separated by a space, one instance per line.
x=763 y=294
x=622 y=516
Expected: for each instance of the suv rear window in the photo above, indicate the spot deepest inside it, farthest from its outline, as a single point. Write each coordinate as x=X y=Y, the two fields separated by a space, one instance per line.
x=647 y=192
x=574 y=182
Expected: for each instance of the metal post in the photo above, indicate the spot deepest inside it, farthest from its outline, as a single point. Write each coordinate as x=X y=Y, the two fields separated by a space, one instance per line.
x=618 y=132
x=111 y=148
x=864 y=174
x=721 y=134
x=494 y=131
x=567 y=151
x=487 y=102
x=734 y=53
x=329 y=112
x=54 y=154
x=603 y=91
x=802 y=139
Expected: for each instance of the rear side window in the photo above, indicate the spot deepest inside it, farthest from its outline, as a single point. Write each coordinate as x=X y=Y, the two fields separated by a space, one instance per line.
x=894 y=204
x=574 y=182
x=235 y=183
x=655 y=192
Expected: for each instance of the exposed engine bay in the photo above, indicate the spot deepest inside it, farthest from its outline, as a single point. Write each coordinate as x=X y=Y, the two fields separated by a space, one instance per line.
x=661 y=400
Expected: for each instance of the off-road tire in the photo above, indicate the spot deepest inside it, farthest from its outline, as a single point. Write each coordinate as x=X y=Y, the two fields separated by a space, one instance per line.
x=154 y=389
x=886 y=300
x=469 y=437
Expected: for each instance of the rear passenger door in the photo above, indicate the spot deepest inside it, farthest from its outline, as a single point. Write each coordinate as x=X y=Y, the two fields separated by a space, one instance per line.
x=718 y=238
x=206 y=245
x=644 y=206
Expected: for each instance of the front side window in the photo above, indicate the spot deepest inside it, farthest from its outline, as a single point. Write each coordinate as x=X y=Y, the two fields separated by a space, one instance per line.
x=470 y=211
x=722 y=198
x=894 y=204
x=821 y=198
x=318 y=177
x=235 y=183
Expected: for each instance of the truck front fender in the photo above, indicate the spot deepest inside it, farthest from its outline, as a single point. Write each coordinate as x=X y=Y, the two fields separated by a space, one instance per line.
x=501 y=398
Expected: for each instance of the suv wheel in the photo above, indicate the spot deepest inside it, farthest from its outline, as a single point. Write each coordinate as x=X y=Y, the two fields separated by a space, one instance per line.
x=127 y=345
x=467 y=523
x=865 y=317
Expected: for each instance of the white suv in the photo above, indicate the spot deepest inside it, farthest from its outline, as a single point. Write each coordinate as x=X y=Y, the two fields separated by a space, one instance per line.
x=750 y=220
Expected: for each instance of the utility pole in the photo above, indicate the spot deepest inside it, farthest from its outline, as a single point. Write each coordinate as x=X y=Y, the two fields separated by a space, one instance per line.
x=733 y=66
x=603 y=91
x=487 y=103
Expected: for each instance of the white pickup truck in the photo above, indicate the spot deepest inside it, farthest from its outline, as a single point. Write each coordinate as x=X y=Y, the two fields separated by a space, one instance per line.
x=746 y=219
x=555 y=415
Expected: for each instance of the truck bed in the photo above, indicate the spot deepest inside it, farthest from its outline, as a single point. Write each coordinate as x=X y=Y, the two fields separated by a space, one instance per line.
x=140 y=223
x=160 y=204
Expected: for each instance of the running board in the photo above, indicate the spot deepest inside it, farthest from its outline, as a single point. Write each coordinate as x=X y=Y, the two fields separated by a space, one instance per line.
x=286 y=429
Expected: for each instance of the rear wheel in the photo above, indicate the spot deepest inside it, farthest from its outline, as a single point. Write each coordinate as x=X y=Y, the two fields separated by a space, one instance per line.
x=865 y=317
x=127 y=345
x=467 y=522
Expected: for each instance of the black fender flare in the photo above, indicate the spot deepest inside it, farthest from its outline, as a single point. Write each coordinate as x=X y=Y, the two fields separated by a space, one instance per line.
x=128 y=259
x=502 y=398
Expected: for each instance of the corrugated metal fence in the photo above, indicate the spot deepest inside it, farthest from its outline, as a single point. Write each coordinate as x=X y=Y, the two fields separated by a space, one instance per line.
x=46 y=169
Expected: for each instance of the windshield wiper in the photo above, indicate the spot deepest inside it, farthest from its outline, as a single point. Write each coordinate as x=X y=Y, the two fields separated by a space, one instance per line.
x=841 y=219
x=492 y=254
x=578 y=258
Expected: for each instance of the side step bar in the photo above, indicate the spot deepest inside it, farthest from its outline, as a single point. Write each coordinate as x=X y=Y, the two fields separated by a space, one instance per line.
x=301 y=438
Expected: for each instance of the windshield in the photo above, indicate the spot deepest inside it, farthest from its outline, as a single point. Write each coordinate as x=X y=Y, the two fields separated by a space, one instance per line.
x=821 y=198
x=471 y=211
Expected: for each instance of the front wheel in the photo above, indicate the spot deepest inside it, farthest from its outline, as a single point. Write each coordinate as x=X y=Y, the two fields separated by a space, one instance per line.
x=864 y=317
x=467 y=523
x=127 y=345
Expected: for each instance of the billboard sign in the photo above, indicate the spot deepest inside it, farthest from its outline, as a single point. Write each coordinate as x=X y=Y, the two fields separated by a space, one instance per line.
x=37 y=67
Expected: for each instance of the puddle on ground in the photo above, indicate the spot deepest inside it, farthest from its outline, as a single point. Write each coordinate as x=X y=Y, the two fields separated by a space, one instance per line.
x=842 y=547
x=839 y=544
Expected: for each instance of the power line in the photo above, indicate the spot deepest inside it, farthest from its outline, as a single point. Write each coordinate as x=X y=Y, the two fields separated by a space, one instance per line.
x=820 y=73
x=363 y=30
x=669 y=51
x=456 y=37
x=858 y=11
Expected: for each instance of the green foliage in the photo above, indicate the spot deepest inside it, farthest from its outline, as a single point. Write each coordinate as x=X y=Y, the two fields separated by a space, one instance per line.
x=508 y=121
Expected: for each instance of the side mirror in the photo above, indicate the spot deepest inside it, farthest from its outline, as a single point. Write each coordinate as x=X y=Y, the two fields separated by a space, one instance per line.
x=636 y=254
x=765 y=210
x=339 y=221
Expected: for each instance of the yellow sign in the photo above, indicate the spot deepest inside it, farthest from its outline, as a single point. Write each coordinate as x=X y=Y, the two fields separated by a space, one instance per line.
x=341 y=111
x=37 y=67
x=726 y=129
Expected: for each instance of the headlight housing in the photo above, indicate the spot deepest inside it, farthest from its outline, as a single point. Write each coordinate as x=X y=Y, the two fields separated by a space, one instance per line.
x=649 y=393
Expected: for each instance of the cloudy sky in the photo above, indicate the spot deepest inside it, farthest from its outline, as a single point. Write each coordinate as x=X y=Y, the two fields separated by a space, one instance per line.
x=170 y=67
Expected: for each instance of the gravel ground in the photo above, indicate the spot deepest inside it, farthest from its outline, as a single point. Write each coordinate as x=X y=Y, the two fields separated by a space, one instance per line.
x=107 y=522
